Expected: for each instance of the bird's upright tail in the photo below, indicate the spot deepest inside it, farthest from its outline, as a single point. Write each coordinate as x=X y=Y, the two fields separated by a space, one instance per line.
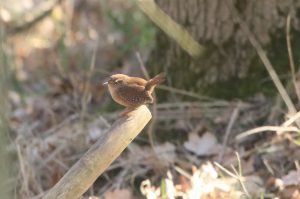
x=154 y=81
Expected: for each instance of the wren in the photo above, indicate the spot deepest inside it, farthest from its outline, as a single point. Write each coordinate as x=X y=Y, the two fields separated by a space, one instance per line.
x=132 y=92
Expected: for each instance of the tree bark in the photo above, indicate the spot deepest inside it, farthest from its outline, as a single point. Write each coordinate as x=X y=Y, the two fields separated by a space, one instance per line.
x=229 y=57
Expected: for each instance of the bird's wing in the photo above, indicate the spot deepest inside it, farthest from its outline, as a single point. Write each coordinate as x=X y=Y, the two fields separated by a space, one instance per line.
x=139 y=81
x=135 y=94
x=128 y=91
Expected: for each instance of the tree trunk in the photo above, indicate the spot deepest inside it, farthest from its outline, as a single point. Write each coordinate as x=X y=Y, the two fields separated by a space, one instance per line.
x=230 y=64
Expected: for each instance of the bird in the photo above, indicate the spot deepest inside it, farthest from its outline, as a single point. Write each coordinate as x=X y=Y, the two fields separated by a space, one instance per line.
x=132 y=92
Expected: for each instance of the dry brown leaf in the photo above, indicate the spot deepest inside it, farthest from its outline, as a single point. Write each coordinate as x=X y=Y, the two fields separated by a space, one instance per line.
x=184 y=184
x=292 y=178
x=205 y=183
x=166 y=152
x=119 y=193
x=254 y=185
x=94 y=197
x=289 y=185
x=205 y=145
x=158 y=160
x=229 y=158
x=291 y=192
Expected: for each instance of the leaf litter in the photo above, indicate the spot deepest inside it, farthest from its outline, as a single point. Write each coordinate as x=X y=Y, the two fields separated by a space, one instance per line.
x=51 y=132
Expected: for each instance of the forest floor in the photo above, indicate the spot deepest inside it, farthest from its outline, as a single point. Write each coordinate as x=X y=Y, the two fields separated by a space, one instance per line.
x=193 y=148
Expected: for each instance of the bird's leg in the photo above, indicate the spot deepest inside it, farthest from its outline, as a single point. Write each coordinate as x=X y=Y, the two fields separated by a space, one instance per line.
x=150 y=99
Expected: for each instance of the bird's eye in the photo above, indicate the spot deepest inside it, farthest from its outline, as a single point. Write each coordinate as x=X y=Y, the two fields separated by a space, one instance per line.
x=118 y=81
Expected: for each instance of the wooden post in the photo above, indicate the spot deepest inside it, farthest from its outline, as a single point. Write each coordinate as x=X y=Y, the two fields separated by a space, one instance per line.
x=94 y=162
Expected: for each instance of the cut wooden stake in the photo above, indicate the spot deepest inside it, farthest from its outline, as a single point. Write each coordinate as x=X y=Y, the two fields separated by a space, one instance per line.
x=83 y=174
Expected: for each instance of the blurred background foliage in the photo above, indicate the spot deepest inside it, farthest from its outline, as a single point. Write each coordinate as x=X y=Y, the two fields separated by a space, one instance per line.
x=5 y=154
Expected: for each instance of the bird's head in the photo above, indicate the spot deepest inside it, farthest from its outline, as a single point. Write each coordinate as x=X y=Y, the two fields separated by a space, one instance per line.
x=117 y=79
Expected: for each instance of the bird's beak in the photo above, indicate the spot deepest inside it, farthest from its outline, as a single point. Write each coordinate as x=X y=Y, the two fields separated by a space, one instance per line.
x=105 y=83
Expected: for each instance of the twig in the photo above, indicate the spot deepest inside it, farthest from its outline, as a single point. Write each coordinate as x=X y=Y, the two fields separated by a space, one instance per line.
x=190 y=94
x=261 y=53
x=86 y=97
x=182 y=172
x=200 y=104
x=292 y=119
x=240 y=174
x=226 y=170
x=60 y=125
x=171 y=28
x=290 y=52
x=154 y=106
x=50 y=157
x=142 y=65
x=228 y=131
x=236 y=174
x=23 y=171
x=279 y=129
x=82 y=175
x=292 y=83
x=297 y=165
x=268 y=166
x=267 y=128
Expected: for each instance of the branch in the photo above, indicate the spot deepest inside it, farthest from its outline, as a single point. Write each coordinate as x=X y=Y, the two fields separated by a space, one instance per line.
x=263 y=56
x=83 y=174
x=171 y=28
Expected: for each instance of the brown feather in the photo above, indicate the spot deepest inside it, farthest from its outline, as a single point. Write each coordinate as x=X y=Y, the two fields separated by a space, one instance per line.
x=154 y=81
x=132 y=92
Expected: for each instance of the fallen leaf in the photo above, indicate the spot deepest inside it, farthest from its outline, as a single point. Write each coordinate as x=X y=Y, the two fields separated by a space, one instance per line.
x=292 y=178
x=166 y=152
x=291 y=192
x=119 y=193
x=205 y=183
x=254 y=185
x=94 y=197
x=205 y=145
